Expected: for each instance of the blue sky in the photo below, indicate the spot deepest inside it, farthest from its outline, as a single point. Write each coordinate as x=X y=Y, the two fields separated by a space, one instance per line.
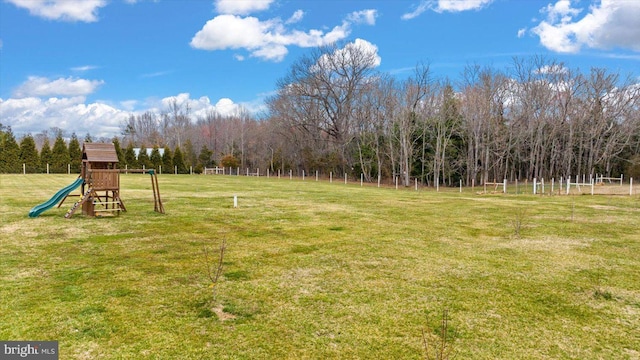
x=85 y=66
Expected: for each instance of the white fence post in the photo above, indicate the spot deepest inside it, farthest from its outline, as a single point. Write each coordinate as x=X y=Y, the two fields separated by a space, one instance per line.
x=535 y=186
x=504 y=186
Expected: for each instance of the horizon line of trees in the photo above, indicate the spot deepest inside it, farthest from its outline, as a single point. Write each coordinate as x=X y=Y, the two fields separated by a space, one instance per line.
x=333 y=112
x=66 y=156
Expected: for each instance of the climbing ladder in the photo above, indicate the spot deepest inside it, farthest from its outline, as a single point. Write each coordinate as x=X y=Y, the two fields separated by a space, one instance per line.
x=78 y=203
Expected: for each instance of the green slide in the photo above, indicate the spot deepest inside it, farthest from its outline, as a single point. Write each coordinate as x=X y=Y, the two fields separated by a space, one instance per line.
x=39 y=209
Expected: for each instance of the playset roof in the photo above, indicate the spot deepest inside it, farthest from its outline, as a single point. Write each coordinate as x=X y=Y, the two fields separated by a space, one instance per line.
x=99 y=152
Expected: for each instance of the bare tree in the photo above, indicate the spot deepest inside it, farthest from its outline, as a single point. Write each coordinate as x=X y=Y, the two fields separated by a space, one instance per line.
x=319 y=96
x=484 y=96
x=446 y=124
x=410 y=118
x=177 y=122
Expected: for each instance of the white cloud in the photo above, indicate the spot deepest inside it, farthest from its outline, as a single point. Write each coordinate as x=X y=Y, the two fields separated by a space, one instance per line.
x=234 y=32
x=226 y=107
x=84 y=68
x=73 y=114
x=446 y=6
x=424 y=6
x=561 y=11
x=269 y=39
x=608 y=24
x=623 y=56
x=155 y=74
x=198 y=108
x=296 y=17
x=521 y=32
x=552 y=69
x=461 y=5
x=41 y=86
x=362 y=46
x=244 y=7
x=129 y=105
x=66 y=10
x=32 y=115
x=363 y=17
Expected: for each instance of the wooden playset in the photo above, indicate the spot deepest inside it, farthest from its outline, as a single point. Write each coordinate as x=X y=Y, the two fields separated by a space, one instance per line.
x=100 y=185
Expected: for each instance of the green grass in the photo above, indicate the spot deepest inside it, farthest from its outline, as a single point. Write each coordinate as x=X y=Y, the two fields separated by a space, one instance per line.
x=320 y=270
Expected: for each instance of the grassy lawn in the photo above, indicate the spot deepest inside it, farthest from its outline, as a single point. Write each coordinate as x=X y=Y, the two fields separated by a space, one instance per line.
x=320 y=270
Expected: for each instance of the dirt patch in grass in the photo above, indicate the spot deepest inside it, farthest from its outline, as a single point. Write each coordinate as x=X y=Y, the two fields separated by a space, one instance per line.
x=553 y=244
x=18 y=228
x=222 y=315
x=613 y=208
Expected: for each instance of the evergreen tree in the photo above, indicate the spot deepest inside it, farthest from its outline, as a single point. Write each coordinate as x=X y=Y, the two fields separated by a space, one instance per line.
x=60 y=155
x=45 y=155
x=143 y=158
x=130 y=157
x=205 y=157
x=29 y=154
x=190 y=157
x=167 y=160
x=178 y=161
x=119 y=152
x=9 y=152
x=75 y=154
x=156 y=159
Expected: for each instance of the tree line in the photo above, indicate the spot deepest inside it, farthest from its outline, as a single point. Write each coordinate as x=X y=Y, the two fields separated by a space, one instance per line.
x=537 y=118
x=66 y=156
x=333 y=112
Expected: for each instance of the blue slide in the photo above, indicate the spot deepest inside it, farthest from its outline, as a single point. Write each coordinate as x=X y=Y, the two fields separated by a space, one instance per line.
x=39 y=209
